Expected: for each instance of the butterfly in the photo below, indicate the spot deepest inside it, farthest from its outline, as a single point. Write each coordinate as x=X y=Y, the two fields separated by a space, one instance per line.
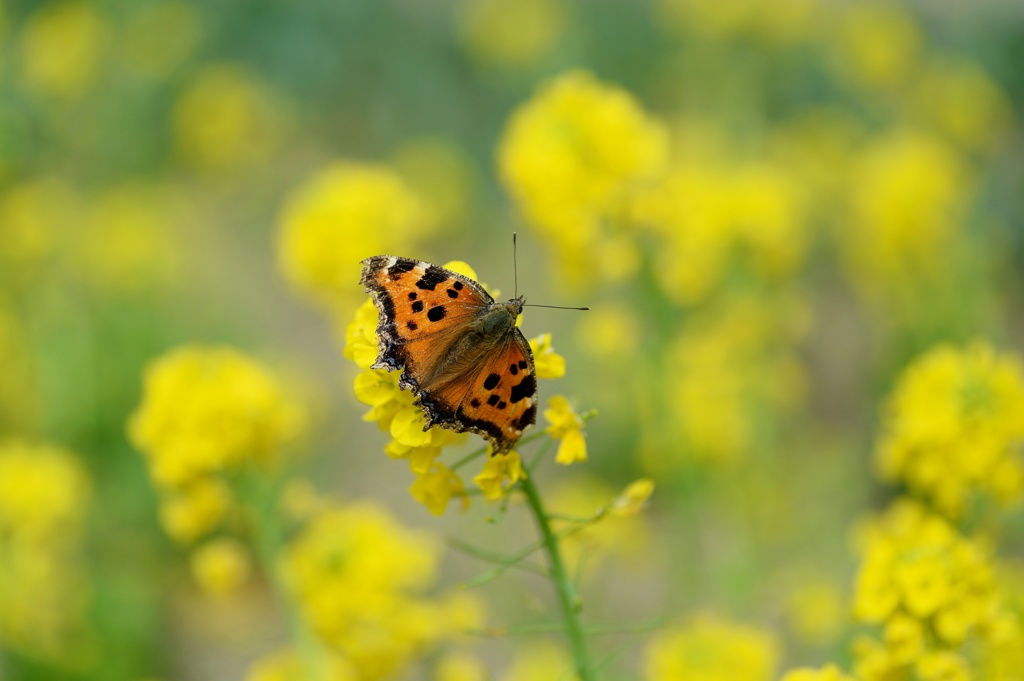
x=461 y=352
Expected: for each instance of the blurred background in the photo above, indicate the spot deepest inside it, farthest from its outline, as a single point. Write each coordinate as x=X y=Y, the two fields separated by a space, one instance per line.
x=772 y=207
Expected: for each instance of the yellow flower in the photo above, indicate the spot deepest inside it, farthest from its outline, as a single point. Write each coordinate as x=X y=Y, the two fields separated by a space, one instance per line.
x=221 y=566
x=511 y=32
x=460 y=667
x=361 y=345
x=943 y=666
x=827 y=673
x=44 y=492
x=567 y=426
x=442 y=174
x=634 y=498
x=359 y=579
x=288 y=665
x=953 y=425
x=547 y=362
x=61 y=48
x=128 y=244
x=195 y=509
x=816 y=610
x=877 y=45
x=45 y=495
x=36 y=216
x=210 y=409
x=935 y=581
x=571 y=156
x=909 y=192
x=435 y=488
x=227 y=119
x=710 y=649
x=344 y=213
x=500 y=473
x=713 y=213
x=539 y=661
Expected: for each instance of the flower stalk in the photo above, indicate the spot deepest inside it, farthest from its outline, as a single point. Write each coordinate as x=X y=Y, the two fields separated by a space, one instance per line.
x=566 y=593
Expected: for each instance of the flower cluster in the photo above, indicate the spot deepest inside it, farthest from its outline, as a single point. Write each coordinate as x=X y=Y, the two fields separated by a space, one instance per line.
x=45 y=494
x=207 y=414
x=710 y=208
x=711 y=649
x=360 y=581
x=342 y=214
x=572 y=156
x=395 y=413
x=734 y=364
x=954 y=425
x=929 y=587
x=827 y=673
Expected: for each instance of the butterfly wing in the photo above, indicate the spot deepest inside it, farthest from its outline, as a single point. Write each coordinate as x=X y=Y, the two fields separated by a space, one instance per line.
x=423 y=309
x=500 y=402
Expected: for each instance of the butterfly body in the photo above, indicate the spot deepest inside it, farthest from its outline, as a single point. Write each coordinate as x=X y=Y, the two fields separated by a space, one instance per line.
x=459 y=350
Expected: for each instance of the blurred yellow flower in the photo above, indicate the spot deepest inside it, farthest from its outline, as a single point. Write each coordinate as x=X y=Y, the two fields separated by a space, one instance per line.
x=62 y=47
x=435 y=487
x=511 y=33
x=777 y=21
x=344 y=213
x=611 y=332
x=711 y=649
x=567 y=427
x=954 y=425
x=876 y=45
x=539 y=661
x=227 y=119
x=359 y=580
x=45 y=495
x=128 y=244
x=442 y=175
x=827 y=673
x=159 y=36
x=499 y=473
x=460 y=667
x=209 y=409
x=36 y=216
x=194 y=509
x=44 y=492
x=733 y=364
x=943 y=666
x=547 y=362
x=908 y=194
x=288 y=665
x=571 y=156
x=816 y=610
x=712 y=213
x=221 y=566
x=634 y=498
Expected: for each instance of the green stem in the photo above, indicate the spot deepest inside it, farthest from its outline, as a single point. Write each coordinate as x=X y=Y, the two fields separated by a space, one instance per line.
x=573 y=627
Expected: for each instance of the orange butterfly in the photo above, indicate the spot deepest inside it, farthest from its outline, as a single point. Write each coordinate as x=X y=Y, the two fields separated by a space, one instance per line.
x=469 y=365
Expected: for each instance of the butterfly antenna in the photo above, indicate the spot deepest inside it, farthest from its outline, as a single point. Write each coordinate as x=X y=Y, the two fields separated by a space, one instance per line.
x=556 y=307
x=515 y=265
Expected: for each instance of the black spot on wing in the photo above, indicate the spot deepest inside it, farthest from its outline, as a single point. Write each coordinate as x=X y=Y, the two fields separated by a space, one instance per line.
x=458 y=285
x=523 y=364
x=514 y=369
x=501 y=405
x=401 y=266
x=417 y=306
x=491 y=382
x=528 y=418
x=411 y=325
x=524 y=389
x=493 y=400
x=433 y=276
x=452 y=293
x=474 y=403
x=436 y=314
x=412 y=295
